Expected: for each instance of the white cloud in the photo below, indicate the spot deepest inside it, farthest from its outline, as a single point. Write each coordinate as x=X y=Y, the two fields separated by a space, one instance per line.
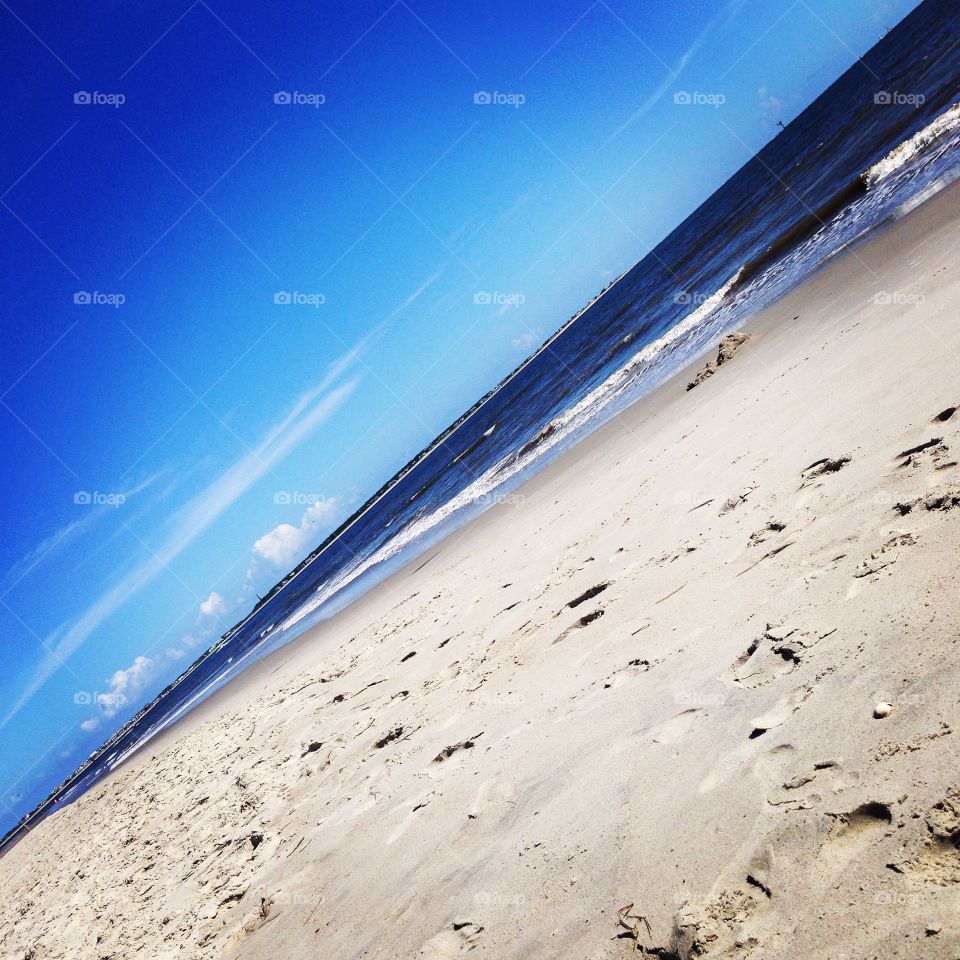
x=527 y=341
x=124 y=686
x=213 y=606
x=310 y=411
x=285 y=544
x=280 y=545
x=124 y=690
x=771 y=103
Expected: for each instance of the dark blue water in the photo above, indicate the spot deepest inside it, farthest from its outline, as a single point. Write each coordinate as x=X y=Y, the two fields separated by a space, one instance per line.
x=799 y=202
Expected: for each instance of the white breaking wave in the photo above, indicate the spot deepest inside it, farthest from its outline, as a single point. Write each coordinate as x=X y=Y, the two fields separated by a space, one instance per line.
x=587 y=411
x=947 y=122
x=556 y=432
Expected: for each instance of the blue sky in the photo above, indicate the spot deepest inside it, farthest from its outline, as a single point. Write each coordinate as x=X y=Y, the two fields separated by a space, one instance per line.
x=175 y=438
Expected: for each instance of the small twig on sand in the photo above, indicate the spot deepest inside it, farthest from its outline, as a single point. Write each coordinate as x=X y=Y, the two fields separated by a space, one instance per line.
x=767 y=556
x=631 y=922
x=669 y=595
x=313 y=911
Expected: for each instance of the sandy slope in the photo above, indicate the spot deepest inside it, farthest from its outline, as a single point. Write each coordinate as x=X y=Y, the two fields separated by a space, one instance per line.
x=652 y=681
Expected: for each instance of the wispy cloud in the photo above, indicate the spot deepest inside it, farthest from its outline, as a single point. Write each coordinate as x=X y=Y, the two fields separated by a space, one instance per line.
x=721 y=19
x=53 y=545
x=311 y=409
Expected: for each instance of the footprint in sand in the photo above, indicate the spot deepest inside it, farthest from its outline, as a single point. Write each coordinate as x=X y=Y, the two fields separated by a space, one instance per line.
x=779 y=651
x=779 y=713
x=885 y=556
x=938 y=859
x=853 y=832
x=674 y=729
x=460 y=937
x=770 y=528
x=806 y=790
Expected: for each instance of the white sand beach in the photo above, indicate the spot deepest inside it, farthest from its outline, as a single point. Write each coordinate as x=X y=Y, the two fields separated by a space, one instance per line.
x=631 y=710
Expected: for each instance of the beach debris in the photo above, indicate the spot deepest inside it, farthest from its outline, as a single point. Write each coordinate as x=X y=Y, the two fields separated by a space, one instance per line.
x=934 y=450
x=729 y=345
x=631 y=924
x=671 y=594
x=767 y=555
x=581 y=622
x=447 y=752
x=760 y=885
x=943 y=501
x=882 y=709
x=822 y=467
x=946 y=500
x=919 y=448
x=394 y=734
x=736 y=501
x=759 y=536
x=944 y=415
x=588 y=595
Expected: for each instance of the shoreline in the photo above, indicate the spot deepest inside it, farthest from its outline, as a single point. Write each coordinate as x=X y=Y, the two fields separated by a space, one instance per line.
x=678 y=630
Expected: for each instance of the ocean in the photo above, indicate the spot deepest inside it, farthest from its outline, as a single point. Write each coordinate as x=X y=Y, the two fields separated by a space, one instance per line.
x=878 y=142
